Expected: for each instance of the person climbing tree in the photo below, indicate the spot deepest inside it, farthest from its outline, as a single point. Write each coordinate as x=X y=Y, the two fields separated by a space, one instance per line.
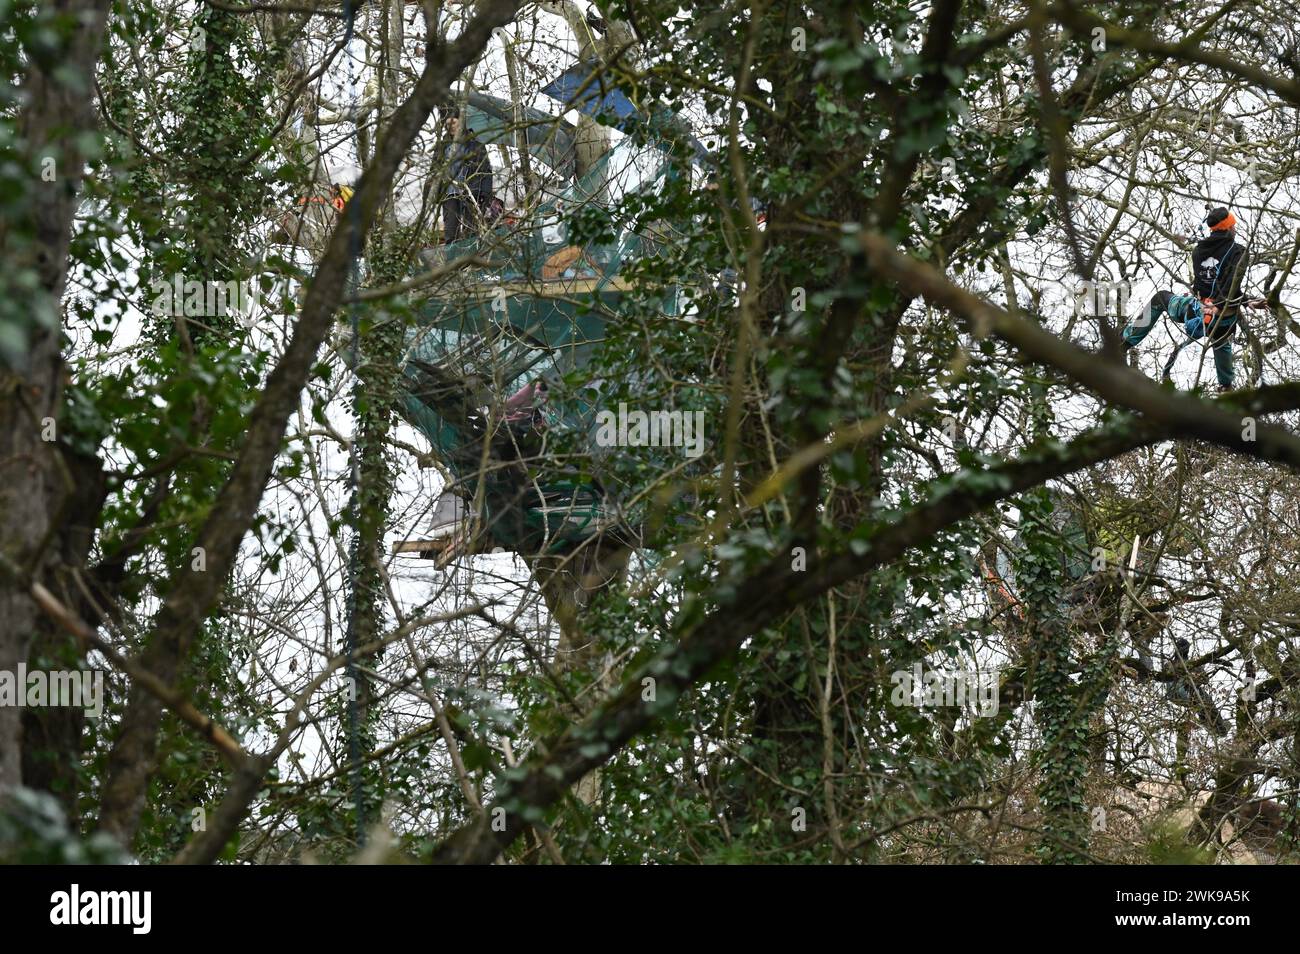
x=469 y=190
x=1219 y=266
x=523 y=416
x=340 y=195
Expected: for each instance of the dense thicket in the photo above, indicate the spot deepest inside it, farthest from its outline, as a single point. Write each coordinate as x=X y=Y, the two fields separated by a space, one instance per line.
x=925 y=451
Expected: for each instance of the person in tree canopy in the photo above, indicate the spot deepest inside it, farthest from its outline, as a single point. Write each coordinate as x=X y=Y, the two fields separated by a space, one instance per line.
x=524 y=406
x=1219 y=265
x=340 y=195
x=523 y=416
x=469 y=190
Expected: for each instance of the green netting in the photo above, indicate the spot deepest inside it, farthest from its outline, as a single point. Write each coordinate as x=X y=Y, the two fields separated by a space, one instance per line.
x=521 y=316
x=519 y=252
x=498 y=121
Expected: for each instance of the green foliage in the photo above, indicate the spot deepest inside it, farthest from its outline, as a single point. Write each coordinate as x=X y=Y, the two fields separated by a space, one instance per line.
x=183 y=190
x=33 y=831
x=35 y=36
x=1166 y=844
x=788 y=750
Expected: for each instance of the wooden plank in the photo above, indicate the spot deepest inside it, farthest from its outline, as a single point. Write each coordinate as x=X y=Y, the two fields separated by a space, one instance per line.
x=421 y=547
x=536 y=288
x=443 y=548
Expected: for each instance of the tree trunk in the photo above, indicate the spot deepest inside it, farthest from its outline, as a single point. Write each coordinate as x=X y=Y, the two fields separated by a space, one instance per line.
x=34 y=489
x=568 y=584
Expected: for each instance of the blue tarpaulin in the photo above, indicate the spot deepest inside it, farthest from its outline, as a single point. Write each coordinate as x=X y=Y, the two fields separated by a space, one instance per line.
x=586 y=88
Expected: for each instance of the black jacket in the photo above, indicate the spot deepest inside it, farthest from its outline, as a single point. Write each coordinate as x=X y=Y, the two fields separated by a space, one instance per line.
x=470 y=169
x=1219 y=268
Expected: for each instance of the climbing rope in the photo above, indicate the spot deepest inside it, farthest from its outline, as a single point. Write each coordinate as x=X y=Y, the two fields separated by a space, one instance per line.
x=350 y=221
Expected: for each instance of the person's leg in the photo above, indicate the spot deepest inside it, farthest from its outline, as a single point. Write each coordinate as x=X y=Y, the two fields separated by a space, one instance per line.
x=452 y=226
x=1223 y=364
x=462 y=218
x=1141 y=326
x=482 y=198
